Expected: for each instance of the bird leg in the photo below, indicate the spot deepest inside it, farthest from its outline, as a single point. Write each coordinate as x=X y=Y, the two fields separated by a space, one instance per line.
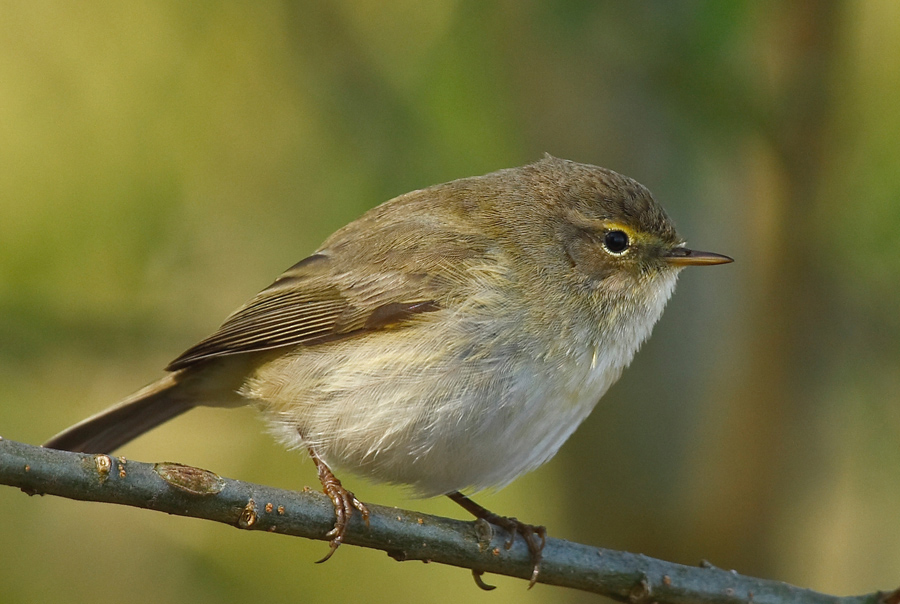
x=344 y=503
x=535 y=536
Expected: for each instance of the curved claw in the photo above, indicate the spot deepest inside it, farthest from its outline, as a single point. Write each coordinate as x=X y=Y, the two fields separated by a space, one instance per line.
x=333 y=549
x=477 y=574
x=536 y=550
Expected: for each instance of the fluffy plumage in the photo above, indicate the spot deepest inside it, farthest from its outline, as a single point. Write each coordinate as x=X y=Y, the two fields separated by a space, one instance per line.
x=451 y=338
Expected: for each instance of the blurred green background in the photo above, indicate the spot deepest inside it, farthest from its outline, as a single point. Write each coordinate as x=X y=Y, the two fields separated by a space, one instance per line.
x=161 y=162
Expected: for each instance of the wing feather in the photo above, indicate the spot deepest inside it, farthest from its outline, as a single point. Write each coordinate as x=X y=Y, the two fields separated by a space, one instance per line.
x=305 y=309
x=356 y=283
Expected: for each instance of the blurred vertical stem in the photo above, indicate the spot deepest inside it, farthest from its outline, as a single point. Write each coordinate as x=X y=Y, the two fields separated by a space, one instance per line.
x=769 y=404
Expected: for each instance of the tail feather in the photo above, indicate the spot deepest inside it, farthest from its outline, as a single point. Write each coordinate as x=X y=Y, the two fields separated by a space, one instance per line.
x=112 y=428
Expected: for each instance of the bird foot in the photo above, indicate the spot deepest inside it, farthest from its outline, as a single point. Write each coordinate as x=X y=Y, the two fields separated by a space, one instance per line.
x=344 y=501
x=535 y=536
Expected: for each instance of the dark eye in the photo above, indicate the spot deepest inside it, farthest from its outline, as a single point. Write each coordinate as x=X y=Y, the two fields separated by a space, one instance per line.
x=615 y=241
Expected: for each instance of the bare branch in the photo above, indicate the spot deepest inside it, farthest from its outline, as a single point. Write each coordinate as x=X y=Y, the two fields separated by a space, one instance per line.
x=403 y=534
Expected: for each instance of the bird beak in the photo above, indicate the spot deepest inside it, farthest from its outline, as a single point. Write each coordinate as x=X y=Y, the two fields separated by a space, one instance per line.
x=681 y=256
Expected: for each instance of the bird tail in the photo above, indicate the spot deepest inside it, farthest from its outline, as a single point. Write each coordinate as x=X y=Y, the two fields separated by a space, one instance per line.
x=122 y=423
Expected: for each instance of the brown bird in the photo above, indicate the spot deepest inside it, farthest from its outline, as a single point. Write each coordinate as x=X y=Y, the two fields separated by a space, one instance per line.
x=451 y=339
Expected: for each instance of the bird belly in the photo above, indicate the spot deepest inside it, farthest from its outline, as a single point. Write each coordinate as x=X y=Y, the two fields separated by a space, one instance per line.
x=432 y=410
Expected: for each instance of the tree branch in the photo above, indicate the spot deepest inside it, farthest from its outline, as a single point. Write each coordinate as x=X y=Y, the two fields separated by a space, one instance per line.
x=404 y=535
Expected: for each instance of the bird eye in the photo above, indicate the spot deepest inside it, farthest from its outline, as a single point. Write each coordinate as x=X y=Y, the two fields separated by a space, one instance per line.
x=615 y=242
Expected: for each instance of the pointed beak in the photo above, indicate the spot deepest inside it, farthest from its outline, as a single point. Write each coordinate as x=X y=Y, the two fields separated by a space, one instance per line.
x=681 y=256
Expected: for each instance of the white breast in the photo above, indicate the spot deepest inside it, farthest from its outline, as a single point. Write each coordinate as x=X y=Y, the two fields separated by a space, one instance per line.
x=455 y=401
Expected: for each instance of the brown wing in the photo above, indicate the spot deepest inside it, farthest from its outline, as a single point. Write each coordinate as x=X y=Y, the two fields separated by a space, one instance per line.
x=310 y=303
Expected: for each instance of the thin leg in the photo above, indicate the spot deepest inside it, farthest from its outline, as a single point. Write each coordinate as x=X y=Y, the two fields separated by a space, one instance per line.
x=344 y=503
x=535 y=536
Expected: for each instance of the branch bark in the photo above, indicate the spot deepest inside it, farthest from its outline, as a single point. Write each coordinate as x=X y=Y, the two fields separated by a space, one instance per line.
x=404 y=535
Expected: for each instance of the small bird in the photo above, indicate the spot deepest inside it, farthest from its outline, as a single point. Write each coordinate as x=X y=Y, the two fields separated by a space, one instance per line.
x=450 y=339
